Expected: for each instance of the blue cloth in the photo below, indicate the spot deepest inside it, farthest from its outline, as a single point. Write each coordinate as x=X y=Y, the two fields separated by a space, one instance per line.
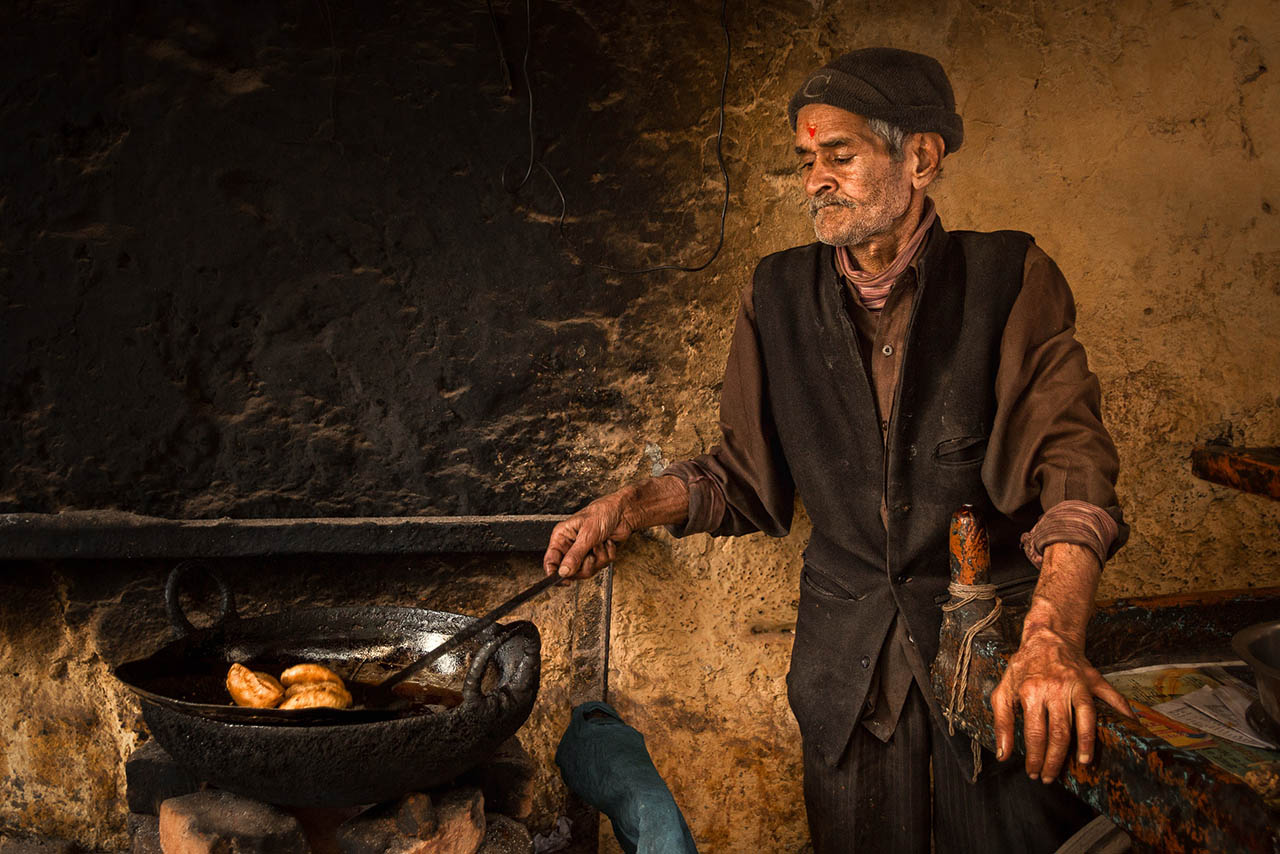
x=604 y=762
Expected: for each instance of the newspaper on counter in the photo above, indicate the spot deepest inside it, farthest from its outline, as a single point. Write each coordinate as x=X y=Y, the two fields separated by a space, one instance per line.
x=1202 y=707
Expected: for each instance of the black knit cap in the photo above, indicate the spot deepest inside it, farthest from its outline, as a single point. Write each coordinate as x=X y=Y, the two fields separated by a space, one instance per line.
x=906 y=89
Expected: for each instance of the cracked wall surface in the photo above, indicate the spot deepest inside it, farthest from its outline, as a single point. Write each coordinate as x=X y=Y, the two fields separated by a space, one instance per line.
x=251 y=266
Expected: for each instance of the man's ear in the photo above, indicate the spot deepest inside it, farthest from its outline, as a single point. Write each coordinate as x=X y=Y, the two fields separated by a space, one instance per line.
x=928 y=150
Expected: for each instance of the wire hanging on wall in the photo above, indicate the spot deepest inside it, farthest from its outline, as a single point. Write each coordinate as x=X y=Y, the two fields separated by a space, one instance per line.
x=564 y=205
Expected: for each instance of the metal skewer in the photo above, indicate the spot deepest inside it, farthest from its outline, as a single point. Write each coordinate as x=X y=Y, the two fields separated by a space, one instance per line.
x=381 y=694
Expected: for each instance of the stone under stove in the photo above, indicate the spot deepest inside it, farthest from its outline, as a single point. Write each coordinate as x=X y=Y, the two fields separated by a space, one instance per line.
x=483 y=812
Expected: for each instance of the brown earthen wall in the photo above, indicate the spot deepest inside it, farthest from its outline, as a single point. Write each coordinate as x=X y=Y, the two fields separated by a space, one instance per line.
x=255 y=266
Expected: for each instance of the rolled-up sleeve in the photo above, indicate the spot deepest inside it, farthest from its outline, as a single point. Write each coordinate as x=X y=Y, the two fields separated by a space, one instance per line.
x=743 y=484
x=1047 y=441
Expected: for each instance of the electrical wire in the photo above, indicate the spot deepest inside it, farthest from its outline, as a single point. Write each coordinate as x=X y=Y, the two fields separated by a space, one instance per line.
x=502 y=55
x=334 y=72
x=564 y=205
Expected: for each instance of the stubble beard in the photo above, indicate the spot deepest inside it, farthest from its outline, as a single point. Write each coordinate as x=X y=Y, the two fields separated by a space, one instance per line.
x=869 y=219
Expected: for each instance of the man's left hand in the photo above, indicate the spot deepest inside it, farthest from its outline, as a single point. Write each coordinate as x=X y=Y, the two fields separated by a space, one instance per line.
x=1054 y=684
x=1049 y=676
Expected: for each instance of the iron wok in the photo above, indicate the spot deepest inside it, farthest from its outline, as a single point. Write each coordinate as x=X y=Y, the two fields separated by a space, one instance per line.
x=332 y=757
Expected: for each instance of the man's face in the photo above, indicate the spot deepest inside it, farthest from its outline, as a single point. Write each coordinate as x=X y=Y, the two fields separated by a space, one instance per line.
x=856 y=191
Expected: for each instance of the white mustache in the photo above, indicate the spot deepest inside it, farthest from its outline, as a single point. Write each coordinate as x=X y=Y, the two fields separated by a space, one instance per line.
x=816 y=205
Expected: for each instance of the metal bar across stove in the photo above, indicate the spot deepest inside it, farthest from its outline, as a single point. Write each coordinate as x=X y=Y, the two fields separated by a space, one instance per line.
x=112 y=534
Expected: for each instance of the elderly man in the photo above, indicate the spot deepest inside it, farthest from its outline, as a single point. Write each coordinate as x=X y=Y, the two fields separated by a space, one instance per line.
x=888 y=374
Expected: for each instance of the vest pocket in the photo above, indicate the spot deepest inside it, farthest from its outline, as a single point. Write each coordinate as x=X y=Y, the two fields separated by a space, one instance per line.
x=962 y=451
x=825 y=586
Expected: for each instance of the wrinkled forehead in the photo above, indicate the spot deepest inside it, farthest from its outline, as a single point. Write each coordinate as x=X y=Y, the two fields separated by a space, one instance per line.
x=816 y=123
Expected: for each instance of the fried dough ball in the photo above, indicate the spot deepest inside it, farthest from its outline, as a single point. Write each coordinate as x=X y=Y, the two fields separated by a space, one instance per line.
x=252 y=688
x=302 y=687
x=316 y=695
x=308 y=673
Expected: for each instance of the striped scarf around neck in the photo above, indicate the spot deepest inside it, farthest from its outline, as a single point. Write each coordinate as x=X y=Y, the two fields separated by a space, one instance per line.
x=873 y=289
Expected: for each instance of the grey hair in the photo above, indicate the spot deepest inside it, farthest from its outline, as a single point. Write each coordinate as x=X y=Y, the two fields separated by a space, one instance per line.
x=893 y=136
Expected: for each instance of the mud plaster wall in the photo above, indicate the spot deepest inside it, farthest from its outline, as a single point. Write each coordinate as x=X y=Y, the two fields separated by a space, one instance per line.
x=237 y=282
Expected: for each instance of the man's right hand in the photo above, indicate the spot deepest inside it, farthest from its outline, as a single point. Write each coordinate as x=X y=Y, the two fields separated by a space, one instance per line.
x=588 y=541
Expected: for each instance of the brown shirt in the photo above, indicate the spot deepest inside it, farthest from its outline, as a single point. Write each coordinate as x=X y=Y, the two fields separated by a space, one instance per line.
x=1047 y=440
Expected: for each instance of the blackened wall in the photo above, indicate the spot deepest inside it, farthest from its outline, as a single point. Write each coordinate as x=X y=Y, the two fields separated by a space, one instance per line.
x=258 y=258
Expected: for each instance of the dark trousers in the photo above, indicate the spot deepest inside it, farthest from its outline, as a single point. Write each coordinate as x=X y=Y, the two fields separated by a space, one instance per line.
x=879 y=798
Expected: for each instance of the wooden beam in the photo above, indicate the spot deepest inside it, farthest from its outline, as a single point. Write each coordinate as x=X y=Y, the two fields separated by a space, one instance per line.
x=1254 y=470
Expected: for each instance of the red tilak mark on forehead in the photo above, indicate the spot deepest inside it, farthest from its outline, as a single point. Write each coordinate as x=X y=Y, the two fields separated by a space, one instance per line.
x=812 y=131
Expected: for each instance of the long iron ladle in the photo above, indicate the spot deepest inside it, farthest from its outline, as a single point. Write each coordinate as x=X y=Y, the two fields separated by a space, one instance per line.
x=381 y=695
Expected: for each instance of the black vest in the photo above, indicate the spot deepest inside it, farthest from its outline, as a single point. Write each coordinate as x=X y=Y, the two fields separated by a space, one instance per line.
x=857 y=575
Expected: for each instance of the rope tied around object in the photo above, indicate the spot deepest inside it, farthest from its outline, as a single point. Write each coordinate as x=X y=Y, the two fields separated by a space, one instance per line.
x=961 y=595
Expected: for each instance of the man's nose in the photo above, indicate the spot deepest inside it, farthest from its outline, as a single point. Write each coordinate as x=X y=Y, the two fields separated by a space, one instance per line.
x=819 y=180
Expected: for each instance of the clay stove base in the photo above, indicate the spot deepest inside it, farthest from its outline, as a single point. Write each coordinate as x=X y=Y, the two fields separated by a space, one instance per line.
x=174 y=814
